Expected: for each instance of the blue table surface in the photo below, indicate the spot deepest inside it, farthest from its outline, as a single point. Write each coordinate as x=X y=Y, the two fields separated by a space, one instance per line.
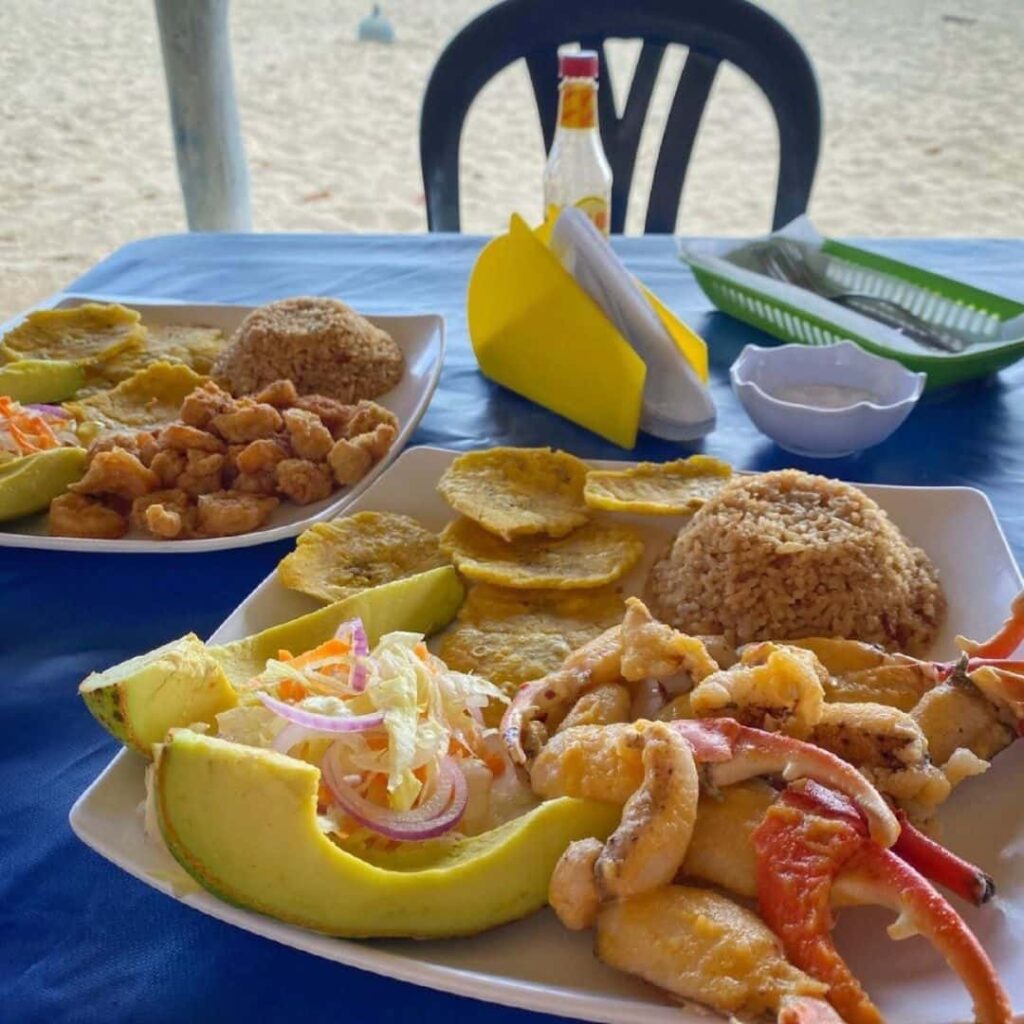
x=81 y=941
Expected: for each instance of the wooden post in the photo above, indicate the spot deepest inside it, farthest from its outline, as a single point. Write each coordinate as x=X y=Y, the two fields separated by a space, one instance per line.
x=204 y=115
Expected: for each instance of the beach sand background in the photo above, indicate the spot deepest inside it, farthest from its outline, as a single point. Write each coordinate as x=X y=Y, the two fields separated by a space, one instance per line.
x=922 y=99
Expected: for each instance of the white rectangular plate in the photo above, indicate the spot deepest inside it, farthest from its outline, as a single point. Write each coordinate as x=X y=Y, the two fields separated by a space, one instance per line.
x=538 y=965
x=422 y=341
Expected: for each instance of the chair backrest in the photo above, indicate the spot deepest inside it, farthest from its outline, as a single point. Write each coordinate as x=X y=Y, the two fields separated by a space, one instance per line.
x=714 y=31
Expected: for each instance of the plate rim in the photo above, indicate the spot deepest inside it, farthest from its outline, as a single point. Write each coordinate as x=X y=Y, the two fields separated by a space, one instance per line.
x=144 y=546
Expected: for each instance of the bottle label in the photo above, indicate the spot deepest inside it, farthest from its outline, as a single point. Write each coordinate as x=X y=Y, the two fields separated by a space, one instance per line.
x=579 y=105
x=596 y=208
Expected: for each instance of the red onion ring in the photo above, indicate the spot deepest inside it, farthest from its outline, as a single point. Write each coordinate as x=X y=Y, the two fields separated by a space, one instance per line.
x=435 y=816
x=50 y=410
x=318 y=722
x=353 y=628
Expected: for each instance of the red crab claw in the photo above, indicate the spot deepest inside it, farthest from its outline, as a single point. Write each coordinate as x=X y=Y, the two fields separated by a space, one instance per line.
x=736 y=752
x=1004 y=641
x=805 y=1010
x=802 y=855
x=932 y=859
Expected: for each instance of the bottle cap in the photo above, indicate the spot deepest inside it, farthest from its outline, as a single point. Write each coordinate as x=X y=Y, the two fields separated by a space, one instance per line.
x=582 y=64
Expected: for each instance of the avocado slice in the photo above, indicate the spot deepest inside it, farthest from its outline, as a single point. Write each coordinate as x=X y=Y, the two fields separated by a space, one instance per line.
x=423 y=603
x=41 y=380
x=140 y=699
x=242 y=821
x=30 y=483
x=185 y=681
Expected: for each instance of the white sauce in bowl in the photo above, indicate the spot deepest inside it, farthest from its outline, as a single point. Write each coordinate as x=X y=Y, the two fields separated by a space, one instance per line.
x=821 y=396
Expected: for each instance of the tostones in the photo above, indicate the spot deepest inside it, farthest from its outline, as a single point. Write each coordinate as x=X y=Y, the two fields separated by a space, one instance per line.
x=344 y=556
x=513 y=636
x=195 y=347
x=516 y=492
x=658 y=489
x=148 y=399
x=86 y=334
x=595 y=554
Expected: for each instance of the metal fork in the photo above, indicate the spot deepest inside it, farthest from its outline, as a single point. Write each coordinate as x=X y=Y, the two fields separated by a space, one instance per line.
x=786 y=262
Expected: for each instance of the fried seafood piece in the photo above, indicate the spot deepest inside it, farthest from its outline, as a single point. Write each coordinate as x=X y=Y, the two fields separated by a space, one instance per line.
x=281 y=394
x=699 y=945
x=647 y=848
x=303 y=481
x=203 y=403
x=116 y=472
x=604 y=705
x=641 y=647
x=367 y=416
x=350 y=460
x=229 y=513
x=172 y=498
x=75 y=515
x=954 y=717
x=774 y=687
x=247 y=421
x=202 y=473
x=334 y=415
x=257 y=456
x=604 y=763
x=165 y=521
x=262 y=483
x=168 y=465
x=811 y=851
x=183 y=438
x=142 y=444
x=309 y=438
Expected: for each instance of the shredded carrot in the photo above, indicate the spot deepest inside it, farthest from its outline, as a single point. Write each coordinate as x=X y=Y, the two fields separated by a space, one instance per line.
x=284 y=655
x=291 y=689
x=29 y=430
x=421 y=651
x=331 y=649
x=496 y=764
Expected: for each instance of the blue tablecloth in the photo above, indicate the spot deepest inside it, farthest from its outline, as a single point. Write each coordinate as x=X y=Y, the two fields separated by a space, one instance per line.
x=79 y=940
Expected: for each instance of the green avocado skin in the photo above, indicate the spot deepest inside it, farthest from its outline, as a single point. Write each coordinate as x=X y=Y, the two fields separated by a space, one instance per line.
x=30 y=483
x=41 y=380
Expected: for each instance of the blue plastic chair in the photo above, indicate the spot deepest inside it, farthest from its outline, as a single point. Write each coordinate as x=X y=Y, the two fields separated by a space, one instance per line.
x=714 y=30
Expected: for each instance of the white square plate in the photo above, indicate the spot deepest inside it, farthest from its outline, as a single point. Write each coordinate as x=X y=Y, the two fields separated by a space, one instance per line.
x=422 y=341
x=538 y=965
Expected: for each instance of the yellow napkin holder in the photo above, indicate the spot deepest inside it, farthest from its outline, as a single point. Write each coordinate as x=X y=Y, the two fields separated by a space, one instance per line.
x=538 y=333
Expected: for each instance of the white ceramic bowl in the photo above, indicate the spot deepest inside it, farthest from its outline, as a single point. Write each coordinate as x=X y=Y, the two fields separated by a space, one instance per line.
x=809 y=424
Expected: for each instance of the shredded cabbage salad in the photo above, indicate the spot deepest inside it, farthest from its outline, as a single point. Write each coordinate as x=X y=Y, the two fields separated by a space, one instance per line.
x=399 y=737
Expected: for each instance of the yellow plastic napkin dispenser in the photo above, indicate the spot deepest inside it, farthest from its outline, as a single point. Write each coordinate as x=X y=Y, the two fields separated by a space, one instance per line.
x=538 y=333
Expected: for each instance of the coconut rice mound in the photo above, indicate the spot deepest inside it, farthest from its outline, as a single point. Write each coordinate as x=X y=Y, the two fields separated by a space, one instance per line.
x=785 y=555
x=323 y=346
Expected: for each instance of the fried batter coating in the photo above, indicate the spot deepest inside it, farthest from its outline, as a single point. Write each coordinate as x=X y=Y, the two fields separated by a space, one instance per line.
x=304 y=481
x=168 y=466
x=334 y=415
x=202 y=474
x=74 y=515
x=263 y=482
x=281 y=394
x=310 y=439
x=248 y=421
x=258 y=456
x=368 y=415
x=377 y=441
x=116 y=472
x=141 y=444
x=349 y=461
x=164 y=521
x=205 y=402
x=170 y=497
x=184 y=438
x=229 y=513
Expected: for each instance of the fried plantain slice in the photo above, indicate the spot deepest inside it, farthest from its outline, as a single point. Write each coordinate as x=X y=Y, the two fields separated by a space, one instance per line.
x=595 y=554
x=657 y=488
x=517 y=492
x=340 y=558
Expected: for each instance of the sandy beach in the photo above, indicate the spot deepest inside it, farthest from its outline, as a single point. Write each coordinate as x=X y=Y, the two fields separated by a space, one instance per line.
x=922 y=127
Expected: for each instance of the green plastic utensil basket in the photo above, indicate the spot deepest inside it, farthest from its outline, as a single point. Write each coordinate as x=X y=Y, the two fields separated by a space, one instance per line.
x=791 y=314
